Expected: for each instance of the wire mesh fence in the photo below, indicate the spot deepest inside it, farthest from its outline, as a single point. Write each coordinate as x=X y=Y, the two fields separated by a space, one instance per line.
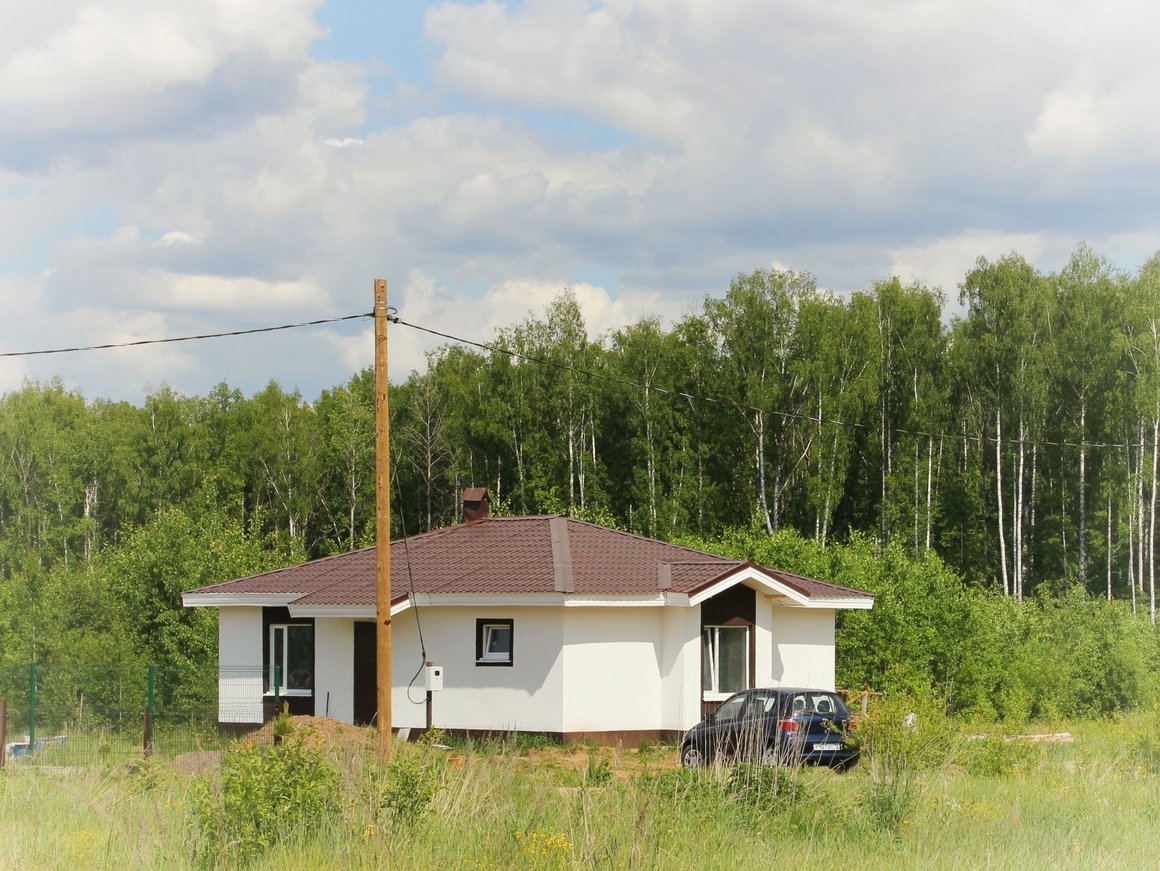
x=70 y=714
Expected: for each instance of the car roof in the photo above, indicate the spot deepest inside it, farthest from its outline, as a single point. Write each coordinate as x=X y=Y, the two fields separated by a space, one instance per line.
x=791 y=690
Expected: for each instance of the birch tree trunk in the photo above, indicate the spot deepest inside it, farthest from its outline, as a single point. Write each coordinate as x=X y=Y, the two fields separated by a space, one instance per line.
x=1017 y=513
x=1152 y=520
x=1082 y=576
x=999 y=498
x=929 y=483
x=759 y=428
x=1109 y=549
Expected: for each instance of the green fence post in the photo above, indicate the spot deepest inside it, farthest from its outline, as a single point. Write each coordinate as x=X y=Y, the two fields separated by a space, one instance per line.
x=3 y=730
x=31 y=708
x=277 y=690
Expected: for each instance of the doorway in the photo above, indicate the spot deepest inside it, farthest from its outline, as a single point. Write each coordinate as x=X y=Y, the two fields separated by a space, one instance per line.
x=366 y=699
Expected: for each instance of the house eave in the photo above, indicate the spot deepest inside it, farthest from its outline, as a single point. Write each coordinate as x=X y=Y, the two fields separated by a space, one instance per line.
x=480 y=600
x=768 y=585
x=231 y=600
x=849 y=603
x=356 y=612
x=550 y=600
x=783 y=593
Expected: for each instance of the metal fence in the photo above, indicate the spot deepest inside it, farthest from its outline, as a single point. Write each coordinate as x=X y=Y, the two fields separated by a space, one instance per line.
x=69 y=714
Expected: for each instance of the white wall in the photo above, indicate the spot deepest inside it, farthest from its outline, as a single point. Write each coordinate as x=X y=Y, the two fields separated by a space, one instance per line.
x=612 y=669
x=803 y=647
x=680 y=667
x=575 y=669
x=334 y=668
x=527 y=696
x=240 y=680
x=763 y=642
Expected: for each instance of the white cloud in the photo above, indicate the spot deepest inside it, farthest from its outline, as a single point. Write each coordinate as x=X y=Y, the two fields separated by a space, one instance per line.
x=85 y=76
x=216 y=175
x=944 y=263
x=234 y=294
x=126 y=48
x=179 y=237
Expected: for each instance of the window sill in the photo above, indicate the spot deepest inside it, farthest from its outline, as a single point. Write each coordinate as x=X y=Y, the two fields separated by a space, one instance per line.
x=289 y=694
x=707 y=696
x=494 y=662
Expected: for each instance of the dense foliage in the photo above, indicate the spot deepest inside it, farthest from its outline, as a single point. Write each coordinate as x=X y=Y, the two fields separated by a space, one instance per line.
x=954 y=468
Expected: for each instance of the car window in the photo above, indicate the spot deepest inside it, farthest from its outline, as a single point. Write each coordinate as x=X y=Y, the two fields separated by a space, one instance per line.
x=730 y=709
x=827 y=704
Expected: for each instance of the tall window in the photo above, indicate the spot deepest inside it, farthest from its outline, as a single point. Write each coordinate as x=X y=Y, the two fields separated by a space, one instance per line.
x=493 y=642
x=292 y=652
x=725 y=664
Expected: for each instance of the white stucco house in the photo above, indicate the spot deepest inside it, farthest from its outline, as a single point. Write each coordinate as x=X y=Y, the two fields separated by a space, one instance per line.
x=540 y=624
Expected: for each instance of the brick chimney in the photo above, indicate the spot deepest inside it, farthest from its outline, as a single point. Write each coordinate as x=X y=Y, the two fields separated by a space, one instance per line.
x=474 y=504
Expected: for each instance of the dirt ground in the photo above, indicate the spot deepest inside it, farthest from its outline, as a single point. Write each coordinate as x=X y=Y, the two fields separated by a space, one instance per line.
x=343 y=742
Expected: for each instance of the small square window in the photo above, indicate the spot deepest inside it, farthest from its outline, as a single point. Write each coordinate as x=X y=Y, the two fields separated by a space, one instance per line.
x=493 y=642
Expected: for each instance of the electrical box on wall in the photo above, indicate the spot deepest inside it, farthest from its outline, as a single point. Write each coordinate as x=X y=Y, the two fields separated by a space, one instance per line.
x=434 y=675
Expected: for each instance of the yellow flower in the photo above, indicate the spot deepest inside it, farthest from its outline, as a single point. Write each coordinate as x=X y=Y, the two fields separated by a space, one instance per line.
x=370 y=831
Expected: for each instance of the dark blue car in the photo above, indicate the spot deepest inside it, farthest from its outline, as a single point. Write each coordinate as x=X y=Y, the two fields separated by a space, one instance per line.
x=781 y=726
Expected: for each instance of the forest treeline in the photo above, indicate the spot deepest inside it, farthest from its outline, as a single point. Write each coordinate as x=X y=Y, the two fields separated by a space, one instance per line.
x=1015 y=446
x=1018 y=441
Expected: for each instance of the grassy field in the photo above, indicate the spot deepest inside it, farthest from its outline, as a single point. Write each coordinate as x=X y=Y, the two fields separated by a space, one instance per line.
x=1088 y=803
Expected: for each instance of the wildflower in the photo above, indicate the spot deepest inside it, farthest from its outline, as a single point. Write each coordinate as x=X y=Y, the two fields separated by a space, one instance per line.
x=370 y=831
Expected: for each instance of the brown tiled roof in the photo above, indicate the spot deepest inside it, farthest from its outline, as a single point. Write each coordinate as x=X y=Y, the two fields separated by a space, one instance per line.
x=511 y=555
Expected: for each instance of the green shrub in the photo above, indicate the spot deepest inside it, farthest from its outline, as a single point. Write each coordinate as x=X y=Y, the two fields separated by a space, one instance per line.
x=599 y=769
x=768 y=789
x=904 y=736
x=266 y=796
x=282 y=726
x=998 y=757
x=405 y=789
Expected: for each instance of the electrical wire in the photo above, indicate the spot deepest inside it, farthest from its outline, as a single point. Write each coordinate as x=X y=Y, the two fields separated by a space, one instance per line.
x=744 y=408
x=414 y=600
x=139 y=342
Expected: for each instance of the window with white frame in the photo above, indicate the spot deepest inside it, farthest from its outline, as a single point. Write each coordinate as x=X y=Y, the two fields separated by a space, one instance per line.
x=725 y=663
x=493 y=641
x=291 y=659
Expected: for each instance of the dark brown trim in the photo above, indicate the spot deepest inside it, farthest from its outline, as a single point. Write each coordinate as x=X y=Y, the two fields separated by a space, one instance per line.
x=612 y=738
x=298 y=704
x=735 y=606
x=609 y=738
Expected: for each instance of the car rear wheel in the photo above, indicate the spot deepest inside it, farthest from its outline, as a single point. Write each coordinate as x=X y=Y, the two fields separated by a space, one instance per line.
x=692 y=757
x=845 y=764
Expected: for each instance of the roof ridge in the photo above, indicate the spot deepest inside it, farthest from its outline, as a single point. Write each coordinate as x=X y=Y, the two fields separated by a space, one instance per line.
x=646 y=538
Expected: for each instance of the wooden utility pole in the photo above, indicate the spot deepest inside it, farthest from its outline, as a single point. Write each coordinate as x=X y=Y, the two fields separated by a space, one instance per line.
x=382 y=526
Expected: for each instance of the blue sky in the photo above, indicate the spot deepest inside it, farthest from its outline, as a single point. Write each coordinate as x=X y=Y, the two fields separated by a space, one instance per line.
x=168 y=169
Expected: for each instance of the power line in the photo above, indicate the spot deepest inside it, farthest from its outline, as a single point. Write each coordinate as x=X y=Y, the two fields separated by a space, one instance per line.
x=602 y=376
x=139 y=342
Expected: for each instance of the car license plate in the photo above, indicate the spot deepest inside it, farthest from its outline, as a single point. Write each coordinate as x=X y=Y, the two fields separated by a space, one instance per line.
x=827 y=746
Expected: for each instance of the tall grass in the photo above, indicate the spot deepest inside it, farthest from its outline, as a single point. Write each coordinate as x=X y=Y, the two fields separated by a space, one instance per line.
x=1088 y=804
